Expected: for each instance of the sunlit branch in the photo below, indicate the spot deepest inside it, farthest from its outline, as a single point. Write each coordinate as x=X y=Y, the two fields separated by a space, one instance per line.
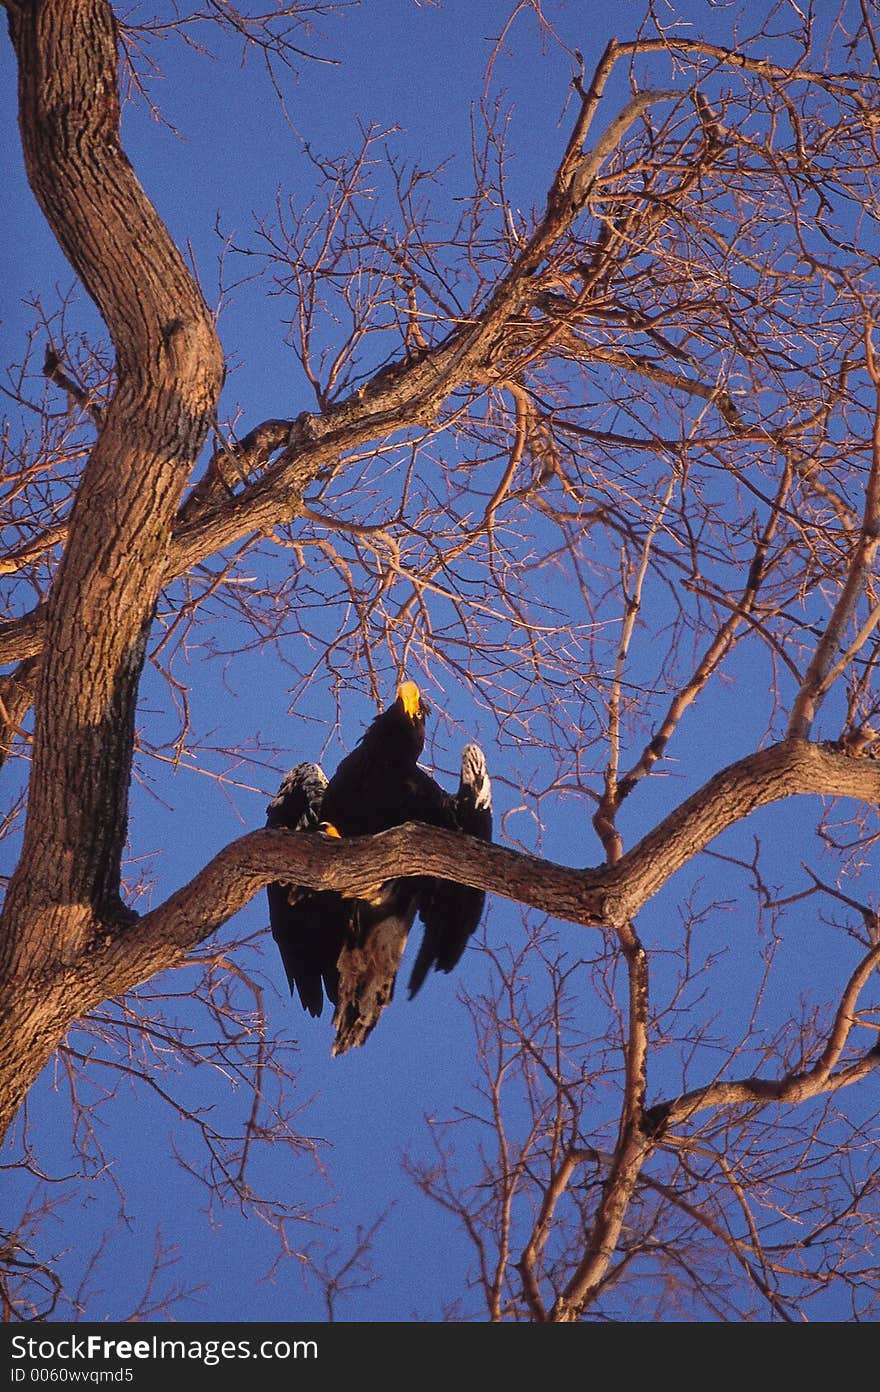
x=796 y=1087
x=822 y=668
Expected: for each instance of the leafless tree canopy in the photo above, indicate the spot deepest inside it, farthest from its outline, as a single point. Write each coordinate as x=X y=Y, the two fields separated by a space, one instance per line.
x=611 y=465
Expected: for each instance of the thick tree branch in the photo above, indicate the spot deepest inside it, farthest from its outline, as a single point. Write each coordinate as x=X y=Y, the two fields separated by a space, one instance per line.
x=790 y=769
x=594 y=897
x=169 y=369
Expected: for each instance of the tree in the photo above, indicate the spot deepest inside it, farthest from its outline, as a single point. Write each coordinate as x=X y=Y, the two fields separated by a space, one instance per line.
x=594 y=463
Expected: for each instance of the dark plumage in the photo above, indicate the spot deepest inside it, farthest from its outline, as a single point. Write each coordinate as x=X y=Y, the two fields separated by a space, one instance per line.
x=450 y=911
x=354 y=946
x=308 y=926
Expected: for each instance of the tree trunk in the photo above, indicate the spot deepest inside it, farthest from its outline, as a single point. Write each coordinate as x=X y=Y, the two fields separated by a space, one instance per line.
x=169 y=372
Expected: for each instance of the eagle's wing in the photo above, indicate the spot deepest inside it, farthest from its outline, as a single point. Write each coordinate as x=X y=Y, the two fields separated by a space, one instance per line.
x=308 y=926
x=450 y=911
x=297 y=804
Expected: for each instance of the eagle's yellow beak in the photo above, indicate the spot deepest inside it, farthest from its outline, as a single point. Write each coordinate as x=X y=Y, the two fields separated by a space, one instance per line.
x=410 y=698
x=328 y=829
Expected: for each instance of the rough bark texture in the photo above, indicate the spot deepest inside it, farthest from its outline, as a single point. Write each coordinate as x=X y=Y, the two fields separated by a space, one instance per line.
x=169 y=371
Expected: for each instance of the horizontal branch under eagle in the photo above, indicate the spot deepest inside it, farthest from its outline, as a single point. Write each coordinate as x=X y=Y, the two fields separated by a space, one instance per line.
x=595 y=897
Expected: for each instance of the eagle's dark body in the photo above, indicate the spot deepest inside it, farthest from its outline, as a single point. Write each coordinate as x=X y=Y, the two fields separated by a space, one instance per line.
x=352 y=947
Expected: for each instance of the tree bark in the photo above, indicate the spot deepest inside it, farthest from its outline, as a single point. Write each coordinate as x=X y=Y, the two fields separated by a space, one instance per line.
x=169 y=372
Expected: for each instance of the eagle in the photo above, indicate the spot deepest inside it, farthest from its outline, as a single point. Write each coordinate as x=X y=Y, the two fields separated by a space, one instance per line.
x=350 y=949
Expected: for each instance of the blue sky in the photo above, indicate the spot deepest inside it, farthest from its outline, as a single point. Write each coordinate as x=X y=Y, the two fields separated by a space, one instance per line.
x=413 y=70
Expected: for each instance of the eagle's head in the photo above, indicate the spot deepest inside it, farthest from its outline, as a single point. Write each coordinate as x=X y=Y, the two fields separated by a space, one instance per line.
x=414 y=706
